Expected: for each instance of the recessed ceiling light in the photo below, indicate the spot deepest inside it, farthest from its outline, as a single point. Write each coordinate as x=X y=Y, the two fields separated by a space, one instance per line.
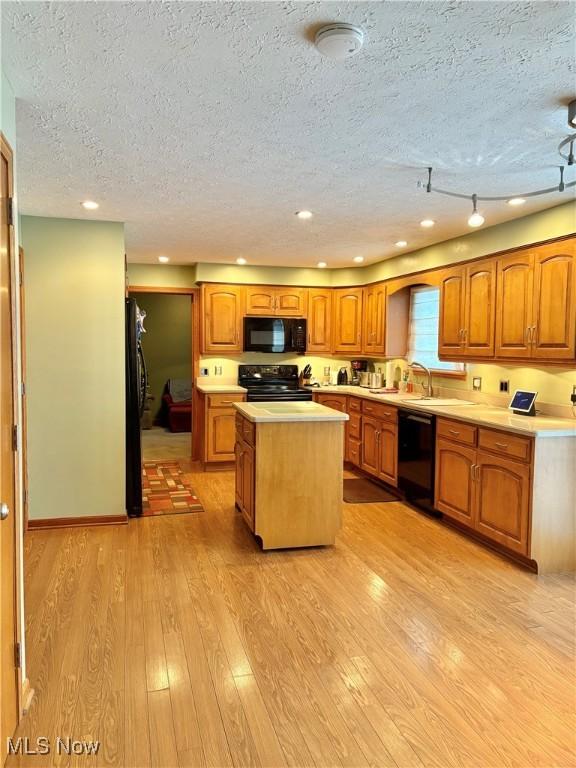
x=163 y=259
x=516 y=201
x=241 y=261
x=322 y=265
x=304 y=214
x=401 y=243
x=358 y=259
x=427 y=223
x=90 y=205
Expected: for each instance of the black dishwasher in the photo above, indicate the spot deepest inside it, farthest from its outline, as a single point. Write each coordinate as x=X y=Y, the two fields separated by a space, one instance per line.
x=416 y=451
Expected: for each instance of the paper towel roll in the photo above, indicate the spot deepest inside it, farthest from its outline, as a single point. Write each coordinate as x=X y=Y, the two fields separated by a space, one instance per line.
x=389 y=374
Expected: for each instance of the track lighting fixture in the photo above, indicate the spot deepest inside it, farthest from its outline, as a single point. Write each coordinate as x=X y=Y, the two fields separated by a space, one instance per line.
x=476 y=219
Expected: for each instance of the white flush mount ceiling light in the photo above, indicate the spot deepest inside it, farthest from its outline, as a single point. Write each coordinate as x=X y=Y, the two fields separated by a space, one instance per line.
x=476 y=219
x=322 y=265
x=401 y=243
x=241 y=261
x=304 y=215
x=566 y=152
x=358 y=259
x=163 y=259
x=339 y=41
x=427 y=223
x=89 y=205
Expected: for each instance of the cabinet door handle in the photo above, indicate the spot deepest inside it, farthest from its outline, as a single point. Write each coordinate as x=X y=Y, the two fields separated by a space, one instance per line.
x=504 y=446
x=377 y=437
x=533 y=335
x=454 y=432
x=473 y=472
x=477 y=472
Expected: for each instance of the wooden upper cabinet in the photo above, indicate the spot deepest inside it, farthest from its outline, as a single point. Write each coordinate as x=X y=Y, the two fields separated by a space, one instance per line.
x=319 y=320
x=347 y=327
x=553 y=332
x=222 y=318
x=260 y=300
x=374 y=326
x=269 y=301
x=480 y=309
x=515 y=279
x=291 y=302
x=536 y=303
x=452 y=306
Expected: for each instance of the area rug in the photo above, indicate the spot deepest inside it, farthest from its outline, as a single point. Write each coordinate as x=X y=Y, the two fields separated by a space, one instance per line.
x=165 y=490
x=359 y=490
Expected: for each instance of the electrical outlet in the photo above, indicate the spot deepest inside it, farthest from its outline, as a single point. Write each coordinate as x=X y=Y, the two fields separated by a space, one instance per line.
x=477 y=383
x=504 y=385
x=217 y=370
x=203 y=371
x=573 y=395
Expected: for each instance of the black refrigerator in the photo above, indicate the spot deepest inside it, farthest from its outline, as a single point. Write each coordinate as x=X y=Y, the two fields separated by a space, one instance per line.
x=135 y=398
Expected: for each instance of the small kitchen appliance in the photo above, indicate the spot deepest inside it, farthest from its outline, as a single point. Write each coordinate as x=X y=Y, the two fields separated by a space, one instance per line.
x=358 y=367
x=343 y=375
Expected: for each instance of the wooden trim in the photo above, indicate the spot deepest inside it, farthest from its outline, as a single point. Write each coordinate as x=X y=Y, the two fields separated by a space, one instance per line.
x=449 y=374
x=160 y=289
x=76 y=522
x=26 y=696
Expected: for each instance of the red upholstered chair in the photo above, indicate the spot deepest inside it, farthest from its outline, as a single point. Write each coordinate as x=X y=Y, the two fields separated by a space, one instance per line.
x=177 y=402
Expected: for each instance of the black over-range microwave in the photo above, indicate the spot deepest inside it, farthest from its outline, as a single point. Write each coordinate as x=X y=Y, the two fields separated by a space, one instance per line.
x=274 y=334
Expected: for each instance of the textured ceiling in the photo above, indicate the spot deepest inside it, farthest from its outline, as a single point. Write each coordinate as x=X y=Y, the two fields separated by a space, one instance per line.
x=206 y=125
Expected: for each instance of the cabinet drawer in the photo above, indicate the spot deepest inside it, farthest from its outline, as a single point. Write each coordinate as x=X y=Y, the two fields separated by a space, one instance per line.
x=354 y=448
x=505 y=444
x=354 y=405
x=225 y=401
x=380 y=411
x=456 y=431
x=355 y=426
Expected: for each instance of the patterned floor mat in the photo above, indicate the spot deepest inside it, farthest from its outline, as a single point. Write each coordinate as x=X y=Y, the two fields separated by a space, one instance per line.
x=165 y=490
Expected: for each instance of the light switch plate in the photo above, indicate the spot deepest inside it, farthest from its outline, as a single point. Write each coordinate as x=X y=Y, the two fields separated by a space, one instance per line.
x=477 y=383
x=218 y=370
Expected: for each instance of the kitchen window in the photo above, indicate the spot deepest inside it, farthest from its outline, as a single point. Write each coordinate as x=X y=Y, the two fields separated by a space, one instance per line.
x=423 y=332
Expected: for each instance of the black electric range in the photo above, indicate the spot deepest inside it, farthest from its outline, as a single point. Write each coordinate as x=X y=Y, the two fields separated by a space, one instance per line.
x=271 y=382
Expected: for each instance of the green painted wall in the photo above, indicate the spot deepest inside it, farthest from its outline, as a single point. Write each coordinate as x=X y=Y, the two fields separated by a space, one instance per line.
x=75 y=366
x=167 y=342
x=162 y=275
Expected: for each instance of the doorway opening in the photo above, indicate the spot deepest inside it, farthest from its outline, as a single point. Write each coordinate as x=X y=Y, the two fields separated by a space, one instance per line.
x=167 y=352
x=167 y=369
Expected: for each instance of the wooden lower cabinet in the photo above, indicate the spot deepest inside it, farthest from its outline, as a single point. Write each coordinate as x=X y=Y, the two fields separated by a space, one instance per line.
x=245 y=480
x=454 y=481
x=218 y=424
x=488 y=492
x=380 y=449
x=503 y=501
x=338 y=403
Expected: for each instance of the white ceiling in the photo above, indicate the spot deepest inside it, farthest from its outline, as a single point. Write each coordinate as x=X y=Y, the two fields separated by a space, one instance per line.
x=206 y=125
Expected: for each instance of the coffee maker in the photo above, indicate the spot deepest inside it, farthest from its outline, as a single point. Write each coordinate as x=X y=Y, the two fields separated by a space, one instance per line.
x=357 y=367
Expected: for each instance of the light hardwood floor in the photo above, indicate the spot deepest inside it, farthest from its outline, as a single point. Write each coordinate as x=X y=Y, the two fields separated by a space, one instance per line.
x=176 y=642
x=159 y=444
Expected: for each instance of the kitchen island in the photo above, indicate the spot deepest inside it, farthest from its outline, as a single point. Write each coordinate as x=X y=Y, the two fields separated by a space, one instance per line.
x=289 y=472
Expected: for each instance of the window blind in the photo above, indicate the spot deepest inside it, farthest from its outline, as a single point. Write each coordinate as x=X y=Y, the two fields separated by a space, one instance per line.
x=423 y=334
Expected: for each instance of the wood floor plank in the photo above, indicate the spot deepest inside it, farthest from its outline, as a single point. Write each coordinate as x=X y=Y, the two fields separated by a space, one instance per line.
x=162 y=737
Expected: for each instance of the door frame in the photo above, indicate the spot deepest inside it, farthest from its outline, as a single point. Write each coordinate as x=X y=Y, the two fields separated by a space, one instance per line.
x=23 y=691
x=194 y=293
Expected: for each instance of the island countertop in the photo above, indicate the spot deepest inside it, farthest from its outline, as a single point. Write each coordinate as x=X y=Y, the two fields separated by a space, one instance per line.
x=297 y=411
